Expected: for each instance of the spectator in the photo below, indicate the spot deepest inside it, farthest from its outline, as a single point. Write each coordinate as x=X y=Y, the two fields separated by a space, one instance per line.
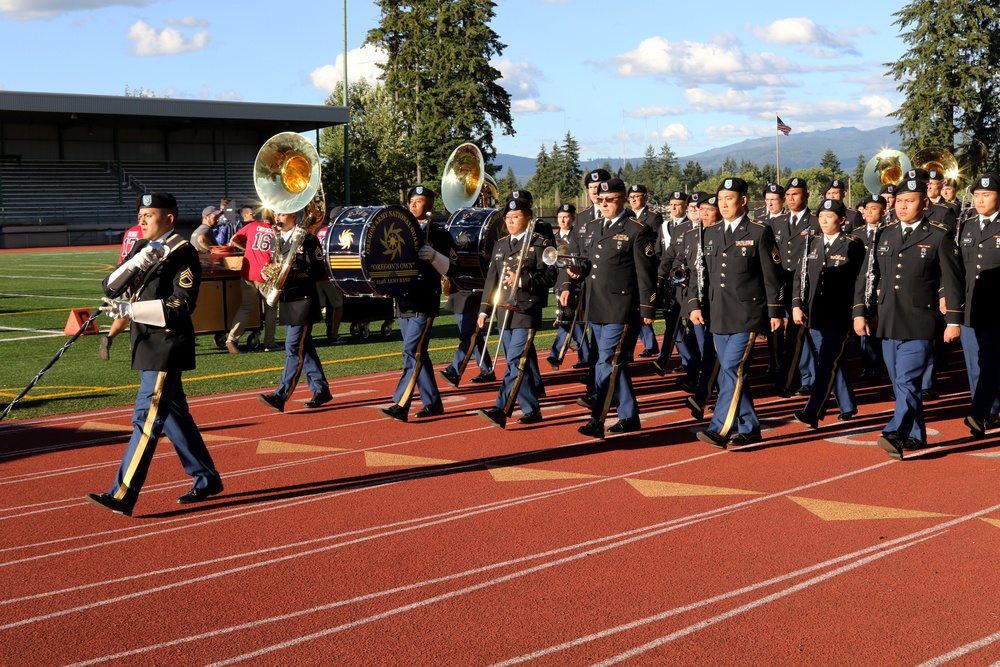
x=203 y=237
x=256 y=239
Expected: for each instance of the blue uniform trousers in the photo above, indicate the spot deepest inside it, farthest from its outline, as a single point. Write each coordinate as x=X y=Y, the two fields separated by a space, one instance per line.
x=562 y=333
x=708 y=369
x=981 y=347
x=871 y=353
x=648 y=338
x=518 y=384
x=829 y=346
x=612 y=379
x=734 y=407
x=161 y=408
x=467 y=327
x=418 y=371
x=676 y=336
x=906 y=360
x=798 y=354
x=300 y=357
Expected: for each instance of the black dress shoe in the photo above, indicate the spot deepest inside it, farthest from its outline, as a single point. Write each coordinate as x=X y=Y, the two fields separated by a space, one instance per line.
x=741 y=439
x=432 y=410
x=678 y=369
x=495 y=416
x=658 y=369
x=913 y=444
x=782 y=391
x=646 y=354
x=697 y=411
x=531 y=417
x=272 y=401
x=397 y=412
x=321 y=397
x=199 y=495
x=449 y=377
x=804 y=417
x=593 y=428
x=712 y=438
x=804 y=390
x=581 y=364
x=109 y=502
x=628 y=425
x=847 y=416
x=892 y=445
x=976 y=426
x=540 y=393
x=484 y=377
x=688 y=384
x=585 y=402
x=553 y=363
x=929 y=395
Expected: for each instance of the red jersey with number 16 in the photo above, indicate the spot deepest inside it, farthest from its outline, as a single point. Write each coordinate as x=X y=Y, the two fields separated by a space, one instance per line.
x=259 y=240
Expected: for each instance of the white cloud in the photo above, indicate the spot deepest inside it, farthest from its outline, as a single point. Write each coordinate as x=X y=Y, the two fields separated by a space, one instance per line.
x=362 y=63
x=518 y=78
x=800 y=31
x=673 y=133
x=146 y=41
x=804 y=115
x=188 y=22
x=532 y=106
x=647 y=112
x=32 y=10
x=718 y=61
x=716 y=133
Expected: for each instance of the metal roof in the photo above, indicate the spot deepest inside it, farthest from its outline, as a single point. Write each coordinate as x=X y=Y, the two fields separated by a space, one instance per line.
x=17 y=106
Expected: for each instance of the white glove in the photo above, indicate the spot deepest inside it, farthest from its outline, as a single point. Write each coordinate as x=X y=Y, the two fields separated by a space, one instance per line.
x=117 y=309
x=426 y=252
x=144 y=259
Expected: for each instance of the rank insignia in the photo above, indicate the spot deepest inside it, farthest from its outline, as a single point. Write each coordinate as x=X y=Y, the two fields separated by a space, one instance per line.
x=186 y=279
x=649 y=249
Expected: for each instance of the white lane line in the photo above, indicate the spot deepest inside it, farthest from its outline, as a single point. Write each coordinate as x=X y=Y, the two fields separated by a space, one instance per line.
x=88 y=280
x=963 y=651
x=31 y=330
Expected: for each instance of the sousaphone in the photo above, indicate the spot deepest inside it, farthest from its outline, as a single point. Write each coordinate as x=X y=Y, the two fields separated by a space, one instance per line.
x=886 y=168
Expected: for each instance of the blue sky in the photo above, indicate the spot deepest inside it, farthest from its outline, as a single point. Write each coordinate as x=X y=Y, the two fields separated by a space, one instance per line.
x=618 y=76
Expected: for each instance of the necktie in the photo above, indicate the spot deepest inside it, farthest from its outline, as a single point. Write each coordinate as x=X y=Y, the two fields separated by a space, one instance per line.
x=982 y=223
x=906 y=233
x=826 y=248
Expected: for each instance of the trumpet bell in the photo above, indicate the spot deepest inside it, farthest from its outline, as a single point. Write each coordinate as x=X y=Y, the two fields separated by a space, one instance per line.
x=463 y=177
x=886 y=168
x=286 y=172
x=936 y=158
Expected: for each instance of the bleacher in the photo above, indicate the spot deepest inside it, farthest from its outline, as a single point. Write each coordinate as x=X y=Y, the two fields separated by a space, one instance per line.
x=54 y=192
x=195 y=184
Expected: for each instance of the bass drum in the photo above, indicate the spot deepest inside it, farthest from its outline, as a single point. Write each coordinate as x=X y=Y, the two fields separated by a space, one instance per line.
x=372 y=251
x=475 y=231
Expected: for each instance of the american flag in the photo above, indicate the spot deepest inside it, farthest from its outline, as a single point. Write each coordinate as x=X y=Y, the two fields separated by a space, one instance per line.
x=784 y=129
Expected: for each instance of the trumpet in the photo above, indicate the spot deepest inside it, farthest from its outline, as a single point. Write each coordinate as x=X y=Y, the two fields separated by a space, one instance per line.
x=559 y=258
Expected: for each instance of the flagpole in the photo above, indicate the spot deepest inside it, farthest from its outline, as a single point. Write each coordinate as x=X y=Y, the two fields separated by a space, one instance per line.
x=777 y=153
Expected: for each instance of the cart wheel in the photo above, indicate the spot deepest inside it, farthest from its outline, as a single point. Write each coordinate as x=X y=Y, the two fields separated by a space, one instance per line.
x=364 y=330
x=253 y=341
x=387 y=328
x=355 y=329
x=220 y=340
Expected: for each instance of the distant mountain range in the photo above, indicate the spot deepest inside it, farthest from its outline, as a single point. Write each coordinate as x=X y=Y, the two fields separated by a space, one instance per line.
x=798 y=151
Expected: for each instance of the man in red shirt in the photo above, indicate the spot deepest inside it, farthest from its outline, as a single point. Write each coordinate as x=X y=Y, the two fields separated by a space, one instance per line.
x=104 y=347
x=256 y=239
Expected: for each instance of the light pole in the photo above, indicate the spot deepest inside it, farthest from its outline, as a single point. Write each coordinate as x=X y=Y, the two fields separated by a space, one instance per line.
x=347 y=158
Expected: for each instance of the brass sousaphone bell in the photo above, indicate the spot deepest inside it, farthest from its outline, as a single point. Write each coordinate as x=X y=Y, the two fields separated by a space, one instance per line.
x=936 y=158
x=465 y=183
x=886 y=168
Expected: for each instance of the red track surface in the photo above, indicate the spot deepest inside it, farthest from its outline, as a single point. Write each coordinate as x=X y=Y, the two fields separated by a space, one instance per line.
x=344 y=538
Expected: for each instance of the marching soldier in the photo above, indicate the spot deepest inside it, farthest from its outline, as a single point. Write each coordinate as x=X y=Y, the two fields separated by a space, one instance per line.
x=417 y=309
x=637 y=196
x=619 y=267
x=743 y=267
x=675 y=332
x=914 y=260
x=569 y=317
x=775 y=215
x=822 y=300
x=873 y=210
x=979 y=245
x=525 y=287
x=837 y=189
x=888 y=193
x=935 y=191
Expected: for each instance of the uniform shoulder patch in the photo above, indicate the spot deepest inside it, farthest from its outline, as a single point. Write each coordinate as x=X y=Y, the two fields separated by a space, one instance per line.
x=935 y=223
x=186 y=279
x=759 y=224
x=638 y=222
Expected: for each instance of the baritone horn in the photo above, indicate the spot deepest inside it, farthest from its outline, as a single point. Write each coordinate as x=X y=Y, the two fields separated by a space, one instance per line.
x=886 y=168
x=286 y=175
x=465 y=183
x=936 y=158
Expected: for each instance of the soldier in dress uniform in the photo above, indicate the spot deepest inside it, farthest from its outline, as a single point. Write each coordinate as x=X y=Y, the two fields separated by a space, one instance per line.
x=637 y=196
x=935 y=191
x=619 y=268
x=162 y=294
x=775 y=215
x=872 y=209
x=822 y=300
x=915 y=259
x=837 y=189
x=695 y=298
x=979 y=245
x=676 y=332
x=525 y=287
x=888 y=193
x=565 y=218
x=935 y=212
x=417 y=309
x=744 y=283
x=796 y=352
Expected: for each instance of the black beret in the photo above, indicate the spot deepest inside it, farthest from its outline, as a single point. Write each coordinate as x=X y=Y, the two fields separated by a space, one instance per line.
x=519 y=205
x=797 y=183
x=598 y=175
x=638 y=188
x=989 y=181
x=568 y=208
x=156 y=200
x=834 y=205
x=697 y=197
x=835 y=183
x=911 y=185
x=678 y=195
x=420 y=190
x=612 y=186
x=935 y=175
x=774 y=189
x=712 y=200
x=521 y=194
x=919 y=174
x=950 y=181
x=873 y=199
x=737 y=185
x=888 y=189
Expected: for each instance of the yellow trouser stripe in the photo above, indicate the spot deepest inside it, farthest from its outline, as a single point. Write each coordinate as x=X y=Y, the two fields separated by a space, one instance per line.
x=521 y=368
x=144 y=439
x=793 y=363
x=614 y=376
x=408 y=392
x=738 y=391
x=833 y=376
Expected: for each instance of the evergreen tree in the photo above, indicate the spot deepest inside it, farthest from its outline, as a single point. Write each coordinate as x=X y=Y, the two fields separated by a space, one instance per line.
x=692 y=174
x=830 y=163
x=439 y=73
x=948 y=78
x=572 y=186
x=508 y=183
x=540 y=184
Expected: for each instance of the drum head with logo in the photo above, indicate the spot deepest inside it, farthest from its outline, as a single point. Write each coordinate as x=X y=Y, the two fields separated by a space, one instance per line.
x=475 y=232
x=372 y=251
